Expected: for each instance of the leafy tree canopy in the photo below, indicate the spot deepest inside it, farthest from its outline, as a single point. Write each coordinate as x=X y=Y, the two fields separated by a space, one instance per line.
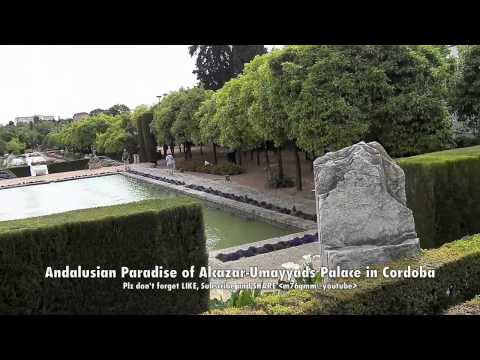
x=466 y=92
x=216 y=64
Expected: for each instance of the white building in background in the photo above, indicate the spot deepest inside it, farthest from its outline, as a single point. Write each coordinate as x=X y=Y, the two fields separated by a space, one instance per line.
x=30 y=119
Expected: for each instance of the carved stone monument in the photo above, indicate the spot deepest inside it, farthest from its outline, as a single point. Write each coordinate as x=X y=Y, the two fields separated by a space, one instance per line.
x=361 y=208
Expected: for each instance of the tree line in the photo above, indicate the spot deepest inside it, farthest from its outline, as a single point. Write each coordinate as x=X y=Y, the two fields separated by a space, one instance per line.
x=310 y=99
x=316 y=99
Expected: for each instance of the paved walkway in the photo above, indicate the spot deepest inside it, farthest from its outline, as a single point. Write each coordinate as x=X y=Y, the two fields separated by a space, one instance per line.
x=6 y=183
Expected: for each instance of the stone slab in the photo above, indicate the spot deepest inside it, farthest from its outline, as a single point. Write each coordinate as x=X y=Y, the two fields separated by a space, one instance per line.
x=356 y=257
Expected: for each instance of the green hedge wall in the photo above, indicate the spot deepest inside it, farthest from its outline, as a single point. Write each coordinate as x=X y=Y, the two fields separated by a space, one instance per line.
x=168 y=233
x=20 y=171
x=457 y=279
x=65 y=166
x=443 y=191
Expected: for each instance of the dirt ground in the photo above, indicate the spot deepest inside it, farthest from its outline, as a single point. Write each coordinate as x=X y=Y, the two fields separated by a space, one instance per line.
x=255 y=175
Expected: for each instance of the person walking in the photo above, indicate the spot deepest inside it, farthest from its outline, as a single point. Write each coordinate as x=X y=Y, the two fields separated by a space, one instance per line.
x=170 y=163
x=125 y=159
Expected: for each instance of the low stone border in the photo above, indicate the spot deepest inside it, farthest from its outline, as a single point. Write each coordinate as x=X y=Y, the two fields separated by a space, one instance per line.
x=253 y=250
x=248 y=200
x=41 y=182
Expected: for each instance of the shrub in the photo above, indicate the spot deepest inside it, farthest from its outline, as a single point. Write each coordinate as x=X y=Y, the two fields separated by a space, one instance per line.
x=225 y=168
x=167 y=232
x=276 y=182
x=443 y=191
x=457 y=278
x=65 y=166
x=464 y=141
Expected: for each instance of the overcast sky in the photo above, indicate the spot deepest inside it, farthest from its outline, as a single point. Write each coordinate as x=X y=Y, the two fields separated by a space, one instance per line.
x=62 y=80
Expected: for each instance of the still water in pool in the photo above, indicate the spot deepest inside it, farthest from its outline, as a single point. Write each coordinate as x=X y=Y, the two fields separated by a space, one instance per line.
x=223 y=229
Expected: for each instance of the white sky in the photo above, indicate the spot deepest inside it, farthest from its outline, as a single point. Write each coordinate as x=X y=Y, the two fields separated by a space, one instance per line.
x=61 y=80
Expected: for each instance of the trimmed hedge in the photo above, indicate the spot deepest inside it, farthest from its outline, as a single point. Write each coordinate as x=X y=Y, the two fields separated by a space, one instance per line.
x=141 y=235
x=443 y=191
x=65 y=166
x=457 y=278
x=20 y=171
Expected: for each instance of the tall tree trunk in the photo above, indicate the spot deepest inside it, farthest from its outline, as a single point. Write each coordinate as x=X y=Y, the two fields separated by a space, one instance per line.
x=258 y=157
x=251 y=155
x=267 y=159
x=299 y=170
x=184 y=151
x=201 y=150
x=215 y=153
x=172 y=149
x=189 y=150
x=239 y=157
x=280 y=163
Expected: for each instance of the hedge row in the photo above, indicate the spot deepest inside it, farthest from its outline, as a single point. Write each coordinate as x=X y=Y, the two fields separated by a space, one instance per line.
x=74 y=165
x=443 y=191
x=457 y=279
x=20 y=171
x=167 y=232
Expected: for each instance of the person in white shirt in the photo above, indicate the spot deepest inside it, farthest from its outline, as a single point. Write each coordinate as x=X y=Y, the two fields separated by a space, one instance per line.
x=170 y=163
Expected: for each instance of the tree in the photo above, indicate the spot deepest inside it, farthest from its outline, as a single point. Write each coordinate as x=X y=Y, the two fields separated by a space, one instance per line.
x=118 y=109
x=164 y=115
x=336 y=95
x=213 y=64
x=185 y=128
x=174 y=120
x=242 y=54
x=15 y=146
x=466 y=91
x=209 y=131
x=331 y=91
x=3 y=147
x=96 y=112
x=232 y=104
x=143 y=117
x=414 y=117
x=116 y=138
x=216 y=64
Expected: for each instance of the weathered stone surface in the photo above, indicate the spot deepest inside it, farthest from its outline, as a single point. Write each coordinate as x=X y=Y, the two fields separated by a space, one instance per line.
x=361 y=207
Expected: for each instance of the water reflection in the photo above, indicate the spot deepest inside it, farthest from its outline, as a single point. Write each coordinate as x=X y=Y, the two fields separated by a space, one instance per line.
x=222 y=228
